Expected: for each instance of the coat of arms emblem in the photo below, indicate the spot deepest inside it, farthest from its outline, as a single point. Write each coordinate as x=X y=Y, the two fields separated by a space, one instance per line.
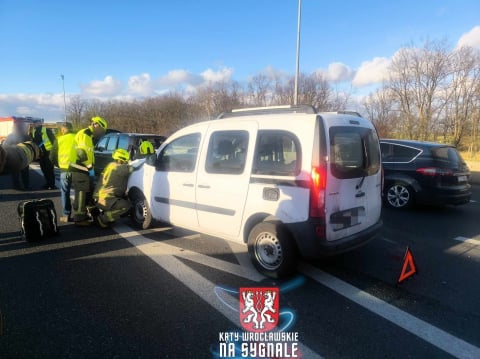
x=259 y=308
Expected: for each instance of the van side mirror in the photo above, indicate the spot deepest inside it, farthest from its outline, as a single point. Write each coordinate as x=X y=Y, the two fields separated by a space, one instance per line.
x=151 y=160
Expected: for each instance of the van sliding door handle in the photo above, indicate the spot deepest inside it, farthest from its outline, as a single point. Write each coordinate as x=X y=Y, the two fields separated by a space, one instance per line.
x=203 y=186
x=187 y=184
x=360 y=194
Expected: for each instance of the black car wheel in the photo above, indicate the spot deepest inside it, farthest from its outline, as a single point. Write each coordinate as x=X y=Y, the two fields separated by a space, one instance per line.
x=399 y=195
x=141 y=215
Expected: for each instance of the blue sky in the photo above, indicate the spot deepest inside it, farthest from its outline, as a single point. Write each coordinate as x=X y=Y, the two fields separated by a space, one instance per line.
x=128 y=49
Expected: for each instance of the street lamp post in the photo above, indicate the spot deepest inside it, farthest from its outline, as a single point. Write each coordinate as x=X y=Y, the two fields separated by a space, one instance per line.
x=295 y=96
x=64 y=100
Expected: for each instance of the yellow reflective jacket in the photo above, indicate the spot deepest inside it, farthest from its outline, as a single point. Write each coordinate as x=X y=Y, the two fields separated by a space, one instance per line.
x=84 y=149
x=66 y=150
x=46 y=140
x=112 y=183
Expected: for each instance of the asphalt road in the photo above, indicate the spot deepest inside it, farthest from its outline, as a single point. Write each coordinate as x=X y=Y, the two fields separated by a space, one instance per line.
x=163 y=293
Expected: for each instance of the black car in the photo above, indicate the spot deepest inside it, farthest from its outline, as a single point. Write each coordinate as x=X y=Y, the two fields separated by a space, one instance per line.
x=423 y=172
x=105 y=147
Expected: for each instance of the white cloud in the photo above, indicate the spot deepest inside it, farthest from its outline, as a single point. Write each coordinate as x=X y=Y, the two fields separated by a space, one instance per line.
x=372 y=72
x=222 y=75
x=338 y=72
x=273 y=73
x=188 y=81
x=471 y=38
x=179 y=78
x=101 y=88
x=48 y=106
x=141 y=85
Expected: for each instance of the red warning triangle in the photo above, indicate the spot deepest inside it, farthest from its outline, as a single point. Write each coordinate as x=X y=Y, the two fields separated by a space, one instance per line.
x=409 y=267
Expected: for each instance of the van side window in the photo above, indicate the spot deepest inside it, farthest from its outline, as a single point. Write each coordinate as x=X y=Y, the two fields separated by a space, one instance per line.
x=180 y=155
x=227 y=152
x=354 y=152
x=277 y=153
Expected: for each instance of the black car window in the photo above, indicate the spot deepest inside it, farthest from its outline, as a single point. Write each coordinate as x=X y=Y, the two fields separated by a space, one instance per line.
x=180 y=155
x=112 y=144
x=227 y=152
x=102 y=144
x=447 y=156
x=354 y=152
x=404 y=153
x=277 y=153
x=387 y=152
x=123 y=142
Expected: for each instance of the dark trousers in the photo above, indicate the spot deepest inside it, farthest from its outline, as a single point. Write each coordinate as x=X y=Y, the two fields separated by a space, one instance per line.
x=82 y=184
x=47 y=169
x=21 y=180
x=114 y=208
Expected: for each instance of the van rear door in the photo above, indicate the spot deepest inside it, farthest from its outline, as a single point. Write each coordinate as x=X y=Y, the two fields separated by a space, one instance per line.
x=353 y=188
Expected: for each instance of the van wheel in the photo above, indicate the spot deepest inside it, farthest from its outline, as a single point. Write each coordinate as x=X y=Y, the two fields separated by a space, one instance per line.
x=399 y=195
x=272 y=250
x=141 y=215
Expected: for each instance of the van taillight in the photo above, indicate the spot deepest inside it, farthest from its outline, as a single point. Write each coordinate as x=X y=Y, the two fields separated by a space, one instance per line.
x=317 y=191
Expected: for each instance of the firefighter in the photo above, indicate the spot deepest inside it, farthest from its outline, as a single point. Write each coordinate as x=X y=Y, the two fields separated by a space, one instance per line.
x=82 y=169
x=111 y=187
x=144 y=150
x=61 y=155
x=15 y=157
x=19 y=135
x=45 y=138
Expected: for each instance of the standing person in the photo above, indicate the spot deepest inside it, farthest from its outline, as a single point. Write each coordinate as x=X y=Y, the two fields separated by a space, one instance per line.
x=82 y=168
x=19 y=135
x=62 y=154
x=111 y=187
x=45 y=138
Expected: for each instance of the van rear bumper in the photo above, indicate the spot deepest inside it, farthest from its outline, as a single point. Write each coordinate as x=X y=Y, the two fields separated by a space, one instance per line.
x=312 y=247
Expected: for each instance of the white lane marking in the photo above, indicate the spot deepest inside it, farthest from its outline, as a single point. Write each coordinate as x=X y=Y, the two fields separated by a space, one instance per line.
x=468 y=240
x=164 y=255
x=433 y=335
x=237 y=269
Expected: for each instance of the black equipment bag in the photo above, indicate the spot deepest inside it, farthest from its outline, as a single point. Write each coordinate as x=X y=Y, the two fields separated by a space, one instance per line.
x=38 y=219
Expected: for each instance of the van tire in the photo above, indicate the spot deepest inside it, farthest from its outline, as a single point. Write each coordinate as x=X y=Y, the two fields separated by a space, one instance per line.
x=141 y=215
x=272 y=249
x=398 y=195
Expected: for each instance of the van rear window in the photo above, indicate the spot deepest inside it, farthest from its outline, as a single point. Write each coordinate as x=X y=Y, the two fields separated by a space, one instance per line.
x=354 y=152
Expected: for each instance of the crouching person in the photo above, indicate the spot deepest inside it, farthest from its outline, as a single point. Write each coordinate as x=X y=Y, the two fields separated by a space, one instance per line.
x=110 y=190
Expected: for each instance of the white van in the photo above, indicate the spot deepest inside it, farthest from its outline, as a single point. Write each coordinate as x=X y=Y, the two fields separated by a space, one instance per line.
x=287 y=181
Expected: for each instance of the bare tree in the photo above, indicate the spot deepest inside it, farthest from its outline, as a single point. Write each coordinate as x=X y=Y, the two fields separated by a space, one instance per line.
x=416 y=77
x=260 y=90
x=75 y=110
x=381 y=110
x=211 y=100
x=461 y=95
